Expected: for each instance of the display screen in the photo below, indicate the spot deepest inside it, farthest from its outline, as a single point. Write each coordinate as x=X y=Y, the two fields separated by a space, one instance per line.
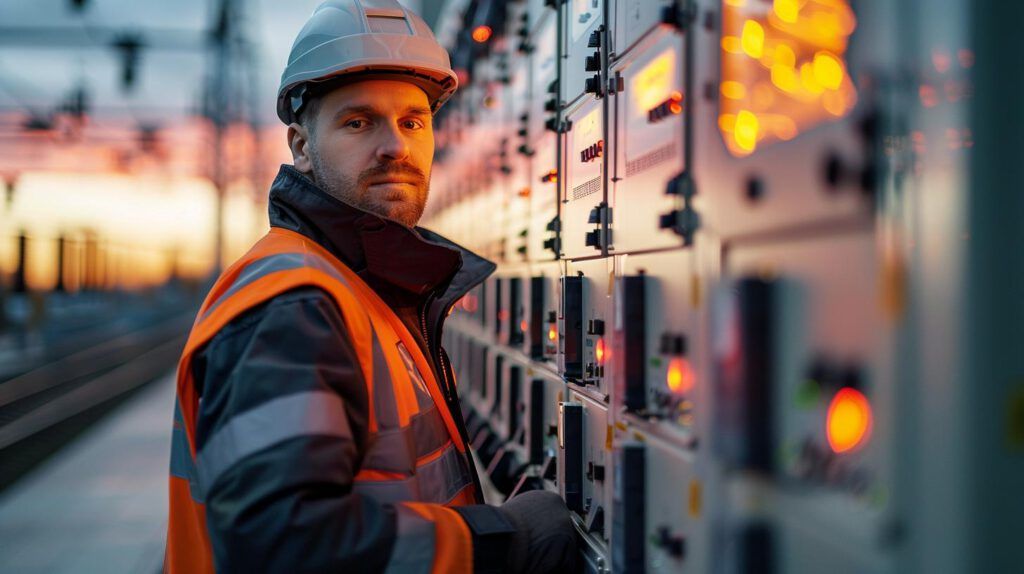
x=783 y=69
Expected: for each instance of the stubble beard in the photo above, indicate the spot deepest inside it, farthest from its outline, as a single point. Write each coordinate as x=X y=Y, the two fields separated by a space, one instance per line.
x=354 y=191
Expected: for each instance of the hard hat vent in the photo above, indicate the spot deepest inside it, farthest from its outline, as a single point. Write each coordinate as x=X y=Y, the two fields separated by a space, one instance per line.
x=389 y=25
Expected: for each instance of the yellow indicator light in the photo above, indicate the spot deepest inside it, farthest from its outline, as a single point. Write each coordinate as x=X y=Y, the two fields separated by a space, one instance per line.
x=752 y=39
x=745 y=131
x=552 y=333
x=680 y=377
x=784 y=69
x=787 y=10
x=481 y=34
x=828 y=71
x=848 y=421
x=599 y=351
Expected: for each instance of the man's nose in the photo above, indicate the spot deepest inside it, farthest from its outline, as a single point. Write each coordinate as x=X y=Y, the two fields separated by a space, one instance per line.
x=392 y=145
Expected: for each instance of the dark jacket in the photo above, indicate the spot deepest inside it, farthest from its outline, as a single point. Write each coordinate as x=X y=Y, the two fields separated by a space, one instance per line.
x=290 y=507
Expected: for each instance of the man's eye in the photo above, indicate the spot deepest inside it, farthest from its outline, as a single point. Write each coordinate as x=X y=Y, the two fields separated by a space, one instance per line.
x=413 y=124
x=357 y=124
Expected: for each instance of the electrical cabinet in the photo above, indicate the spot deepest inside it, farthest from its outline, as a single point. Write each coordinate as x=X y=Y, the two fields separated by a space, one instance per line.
x=749 y=272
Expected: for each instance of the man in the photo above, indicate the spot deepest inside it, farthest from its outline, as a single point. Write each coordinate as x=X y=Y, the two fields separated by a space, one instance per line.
x=317 y=426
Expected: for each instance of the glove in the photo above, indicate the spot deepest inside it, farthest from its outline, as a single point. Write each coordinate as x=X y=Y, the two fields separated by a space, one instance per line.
x=545 y=538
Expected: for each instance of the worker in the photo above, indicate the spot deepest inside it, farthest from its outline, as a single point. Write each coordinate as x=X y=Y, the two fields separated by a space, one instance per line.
x=317 y=425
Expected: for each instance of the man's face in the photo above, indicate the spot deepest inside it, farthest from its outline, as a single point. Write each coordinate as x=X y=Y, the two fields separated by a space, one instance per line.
x=370 y=145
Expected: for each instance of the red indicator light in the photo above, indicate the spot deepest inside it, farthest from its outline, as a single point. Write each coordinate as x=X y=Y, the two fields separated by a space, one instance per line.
x=523 y=325
x=600 y=352
x=481 y=34
x=849 y=419
x=680 y=376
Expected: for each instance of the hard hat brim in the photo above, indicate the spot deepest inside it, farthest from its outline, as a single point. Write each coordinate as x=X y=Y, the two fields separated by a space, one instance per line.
x=420 y=61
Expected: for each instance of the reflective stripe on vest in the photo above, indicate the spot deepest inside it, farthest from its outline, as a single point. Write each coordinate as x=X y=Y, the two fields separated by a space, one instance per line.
x=414 y=453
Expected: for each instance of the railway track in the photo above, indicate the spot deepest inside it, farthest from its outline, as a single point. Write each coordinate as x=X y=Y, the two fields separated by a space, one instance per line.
x=44 y=408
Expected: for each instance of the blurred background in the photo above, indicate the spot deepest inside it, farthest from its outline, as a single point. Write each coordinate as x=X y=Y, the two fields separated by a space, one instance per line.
x=137 y=143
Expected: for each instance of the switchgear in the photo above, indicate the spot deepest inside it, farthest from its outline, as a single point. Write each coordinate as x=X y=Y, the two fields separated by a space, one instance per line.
x=732 y=321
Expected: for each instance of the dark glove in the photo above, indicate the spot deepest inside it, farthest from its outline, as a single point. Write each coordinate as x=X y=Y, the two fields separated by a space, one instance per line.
x=545 y=538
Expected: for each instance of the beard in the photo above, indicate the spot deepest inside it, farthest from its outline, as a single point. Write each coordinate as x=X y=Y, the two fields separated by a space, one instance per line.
x=404 y=204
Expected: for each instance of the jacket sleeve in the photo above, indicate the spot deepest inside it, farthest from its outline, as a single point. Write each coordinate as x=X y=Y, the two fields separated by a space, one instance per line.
x=281 y=432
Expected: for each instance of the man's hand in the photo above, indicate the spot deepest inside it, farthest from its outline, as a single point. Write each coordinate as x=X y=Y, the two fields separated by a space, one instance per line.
x=545 y=538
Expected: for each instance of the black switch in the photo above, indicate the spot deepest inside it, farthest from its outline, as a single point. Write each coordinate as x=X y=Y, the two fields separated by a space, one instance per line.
x=551 y=105
x=634 y=380
x=743 y=393
x=538 y=289
x=628 y=517
x=554 y=244
x=535 y=444
x=513 y=413
x=595 y=327
x=572 y=455
x=672 y=344
x=551 y=124
x=499 y=384
x=572 y=350
x=515 y=311
x=592 y=85
x=674 y=544
x=680 y=185
x=554 y=225
x=595 y=39
x=595 y=215
x=592 y=63
x=593 y=239
x=595 y=519
x=553 y=87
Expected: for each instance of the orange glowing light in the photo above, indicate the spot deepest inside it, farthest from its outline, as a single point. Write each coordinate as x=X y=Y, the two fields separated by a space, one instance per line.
x=783 y=69
x=787 y=10
x=552 y=333
x=752 y=39
x=482 y=33
x=680 y=377
x=734 y=90
x=849 y=420
x=600 y=352
x=523 y=325
x=746 y=130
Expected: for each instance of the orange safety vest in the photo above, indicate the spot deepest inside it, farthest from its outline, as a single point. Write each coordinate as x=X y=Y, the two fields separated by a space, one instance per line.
x=416 y=458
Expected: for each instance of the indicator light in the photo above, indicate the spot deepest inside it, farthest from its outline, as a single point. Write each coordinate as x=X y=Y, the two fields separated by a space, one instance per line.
x=600 y=352
x=523 y=325
x=680 y=376
x=848 y=421
x=783 y=69
x=552 y=333
x=481 y=34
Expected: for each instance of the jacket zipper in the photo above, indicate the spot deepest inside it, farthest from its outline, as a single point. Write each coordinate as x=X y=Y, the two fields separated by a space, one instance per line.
x=454 y=409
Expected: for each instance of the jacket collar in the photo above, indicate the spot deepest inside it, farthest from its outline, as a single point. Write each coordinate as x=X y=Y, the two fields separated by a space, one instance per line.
x=405 y=263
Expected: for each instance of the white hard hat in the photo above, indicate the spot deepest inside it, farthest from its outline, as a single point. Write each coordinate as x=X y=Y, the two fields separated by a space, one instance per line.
x=363 y=38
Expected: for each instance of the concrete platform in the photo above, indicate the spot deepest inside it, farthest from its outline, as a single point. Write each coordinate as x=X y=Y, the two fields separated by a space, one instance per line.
x=100 y=505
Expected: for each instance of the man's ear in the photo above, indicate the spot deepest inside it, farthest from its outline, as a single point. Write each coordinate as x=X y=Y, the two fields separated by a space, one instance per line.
x=298 y=142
